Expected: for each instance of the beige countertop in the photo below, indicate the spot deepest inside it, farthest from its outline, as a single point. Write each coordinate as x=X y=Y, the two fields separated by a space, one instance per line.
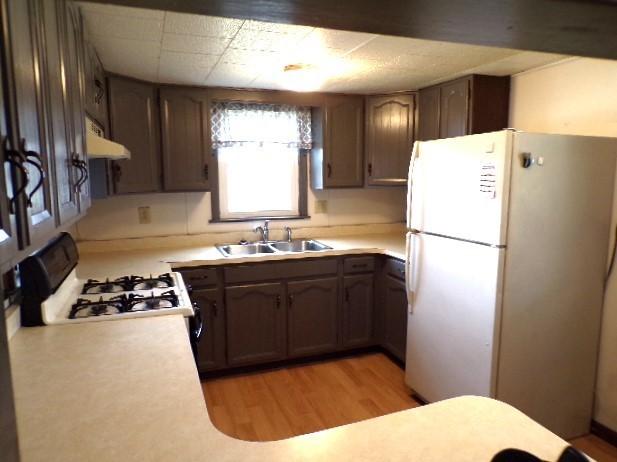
x=129 y=391
x=114 y=263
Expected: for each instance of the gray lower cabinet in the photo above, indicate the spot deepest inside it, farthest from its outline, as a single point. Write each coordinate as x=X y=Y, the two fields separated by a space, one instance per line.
x=256 y=323
x=312 y=316
x=211 y=347
x=358 y=310
x=394 y=308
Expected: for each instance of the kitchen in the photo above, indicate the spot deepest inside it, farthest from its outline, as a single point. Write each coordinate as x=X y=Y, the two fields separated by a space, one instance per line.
x=330 y=281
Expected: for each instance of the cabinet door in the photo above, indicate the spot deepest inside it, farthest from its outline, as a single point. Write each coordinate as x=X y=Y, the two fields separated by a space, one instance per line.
x=343 y=143
x=428 y=113
x=313 y=319
x=211 y=347
x=395 y=317
x=390 y=137
x=454 y=109
x=29 y=136
x=73 y=34
x=134 y=123
x=9 y=447
x=256 y=321
x=95 y=86
x=59 y=114
x=8 y=237
x=358 y=310
x=186 y=139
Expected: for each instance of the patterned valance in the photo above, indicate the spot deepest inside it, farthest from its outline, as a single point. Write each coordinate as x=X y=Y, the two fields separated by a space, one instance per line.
x=236 y=123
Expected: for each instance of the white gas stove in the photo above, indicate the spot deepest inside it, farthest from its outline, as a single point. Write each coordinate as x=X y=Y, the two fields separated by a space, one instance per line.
x=87 y=300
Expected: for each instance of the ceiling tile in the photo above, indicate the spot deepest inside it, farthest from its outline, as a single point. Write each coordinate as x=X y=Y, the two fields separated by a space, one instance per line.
x=194 y=44
x=125 y=11
x=207 y=26
x=259 y=59
x=276 y=27
x=231 y=75
x=134 y=58
x=247 y=39
x=174 y=59
x=337 y=39
x=128 y=27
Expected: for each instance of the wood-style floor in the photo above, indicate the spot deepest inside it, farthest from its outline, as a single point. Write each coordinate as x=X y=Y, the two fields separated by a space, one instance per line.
x=282 y=403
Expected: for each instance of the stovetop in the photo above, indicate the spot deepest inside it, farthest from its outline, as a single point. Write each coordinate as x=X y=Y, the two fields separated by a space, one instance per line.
x=115 y=298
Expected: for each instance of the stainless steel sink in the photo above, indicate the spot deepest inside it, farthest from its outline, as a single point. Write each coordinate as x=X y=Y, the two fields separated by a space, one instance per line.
x=245 y=249
x=299 y=246
x=255 y=248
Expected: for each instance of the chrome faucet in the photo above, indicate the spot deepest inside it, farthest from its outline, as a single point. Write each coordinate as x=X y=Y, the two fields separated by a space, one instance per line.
x=263 y=231
x=288 y=231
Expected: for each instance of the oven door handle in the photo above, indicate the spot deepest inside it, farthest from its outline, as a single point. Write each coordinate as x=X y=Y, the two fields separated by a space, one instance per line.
x=197 y=327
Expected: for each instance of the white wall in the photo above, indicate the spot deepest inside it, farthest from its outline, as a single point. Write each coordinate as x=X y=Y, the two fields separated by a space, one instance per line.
x=189 y=213
x=578 y=97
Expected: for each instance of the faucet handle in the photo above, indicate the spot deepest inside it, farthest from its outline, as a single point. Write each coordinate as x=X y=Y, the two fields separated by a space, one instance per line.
x=288 y=231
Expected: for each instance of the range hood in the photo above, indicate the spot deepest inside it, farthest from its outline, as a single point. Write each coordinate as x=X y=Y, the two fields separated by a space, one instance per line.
x=99 y=147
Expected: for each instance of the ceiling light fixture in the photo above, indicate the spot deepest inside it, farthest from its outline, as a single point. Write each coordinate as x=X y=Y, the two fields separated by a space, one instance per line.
x=303 y=77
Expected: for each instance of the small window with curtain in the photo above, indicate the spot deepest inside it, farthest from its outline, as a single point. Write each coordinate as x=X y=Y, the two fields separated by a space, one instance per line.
x=260 y=151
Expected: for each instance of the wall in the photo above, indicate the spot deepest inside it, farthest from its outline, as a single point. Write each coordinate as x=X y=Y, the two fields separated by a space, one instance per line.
x=579 y=97
x=190 y=213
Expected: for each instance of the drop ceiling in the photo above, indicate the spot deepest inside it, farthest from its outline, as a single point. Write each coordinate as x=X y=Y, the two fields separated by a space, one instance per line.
x=168 y=47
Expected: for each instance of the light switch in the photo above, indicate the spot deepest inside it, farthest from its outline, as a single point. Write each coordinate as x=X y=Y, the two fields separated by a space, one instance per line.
x=143 y=215
x=490 y=147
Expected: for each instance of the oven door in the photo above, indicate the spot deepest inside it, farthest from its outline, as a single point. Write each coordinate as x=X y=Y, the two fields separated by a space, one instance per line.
x=196 y=328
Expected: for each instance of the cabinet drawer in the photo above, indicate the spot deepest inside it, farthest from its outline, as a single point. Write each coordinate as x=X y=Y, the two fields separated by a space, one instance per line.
x=395 y=268
x=359 y=264
x=199 y=277
x=279 y=270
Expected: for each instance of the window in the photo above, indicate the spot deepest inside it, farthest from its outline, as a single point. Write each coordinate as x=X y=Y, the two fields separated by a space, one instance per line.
x=260 y=151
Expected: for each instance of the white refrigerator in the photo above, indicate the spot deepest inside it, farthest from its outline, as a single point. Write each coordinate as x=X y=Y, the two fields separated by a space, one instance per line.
x=507 y=244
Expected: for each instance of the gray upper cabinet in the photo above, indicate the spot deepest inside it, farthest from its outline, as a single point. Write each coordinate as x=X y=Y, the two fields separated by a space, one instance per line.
x=454 y=109
x=466 y=106
x=185 y=122
x=358 y=310
x=135 y=124
x=312 y=316
x=428 y=113
x=256 y=323
x=35 y=206
x=96 y=87
x=337 y=158
x=211 y=347
x=59 y=114
x=394 y=306
x=390 y=125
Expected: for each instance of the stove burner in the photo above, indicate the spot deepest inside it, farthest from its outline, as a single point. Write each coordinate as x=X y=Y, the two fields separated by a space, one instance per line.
x=84 y=308
x=161 y=282
x=92 y=286
x=128 y=283
x=138 y=302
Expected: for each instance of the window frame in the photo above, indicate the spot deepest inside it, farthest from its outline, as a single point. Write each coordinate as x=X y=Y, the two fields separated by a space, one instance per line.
x=302 y=193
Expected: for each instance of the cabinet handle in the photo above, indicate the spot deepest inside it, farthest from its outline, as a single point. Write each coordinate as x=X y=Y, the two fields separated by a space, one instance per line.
x=278 y=302
x=75 y=163
x=99 y=91
x=206 y=171
x=15 y=158
x=347 y=294
x=370 y=169
x=329 y=167
x=33 y=158
x=291 y=300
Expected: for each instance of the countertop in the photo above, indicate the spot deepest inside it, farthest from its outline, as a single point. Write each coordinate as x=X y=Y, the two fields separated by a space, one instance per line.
x=129 y=391
x=110 y=263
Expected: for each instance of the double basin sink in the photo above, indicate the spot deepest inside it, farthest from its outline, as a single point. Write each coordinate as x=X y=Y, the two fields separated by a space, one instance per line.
x=262 y=248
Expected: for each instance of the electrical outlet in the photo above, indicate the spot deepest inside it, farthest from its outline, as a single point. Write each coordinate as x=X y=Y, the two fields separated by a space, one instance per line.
x=321 y=206
x=144 y=216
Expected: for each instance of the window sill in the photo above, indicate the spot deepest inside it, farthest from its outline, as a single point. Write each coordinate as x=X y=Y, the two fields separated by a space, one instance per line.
x=244 y=220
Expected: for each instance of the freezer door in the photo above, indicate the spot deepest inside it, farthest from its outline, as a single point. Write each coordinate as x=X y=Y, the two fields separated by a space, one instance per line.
x=451 y=330
x=459 y=187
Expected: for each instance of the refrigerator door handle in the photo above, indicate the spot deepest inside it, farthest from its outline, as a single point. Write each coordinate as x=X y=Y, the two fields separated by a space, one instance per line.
x=408 y=271
x=414 y=155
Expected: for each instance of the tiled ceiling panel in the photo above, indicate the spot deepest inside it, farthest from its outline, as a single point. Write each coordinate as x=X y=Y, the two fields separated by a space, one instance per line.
x=190 y=49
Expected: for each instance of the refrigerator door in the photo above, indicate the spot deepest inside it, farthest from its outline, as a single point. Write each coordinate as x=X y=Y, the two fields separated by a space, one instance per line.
x=451 y=331
x=459 y=187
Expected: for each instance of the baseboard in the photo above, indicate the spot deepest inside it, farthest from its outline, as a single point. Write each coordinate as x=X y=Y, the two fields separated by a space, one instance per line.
x=608 y=435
